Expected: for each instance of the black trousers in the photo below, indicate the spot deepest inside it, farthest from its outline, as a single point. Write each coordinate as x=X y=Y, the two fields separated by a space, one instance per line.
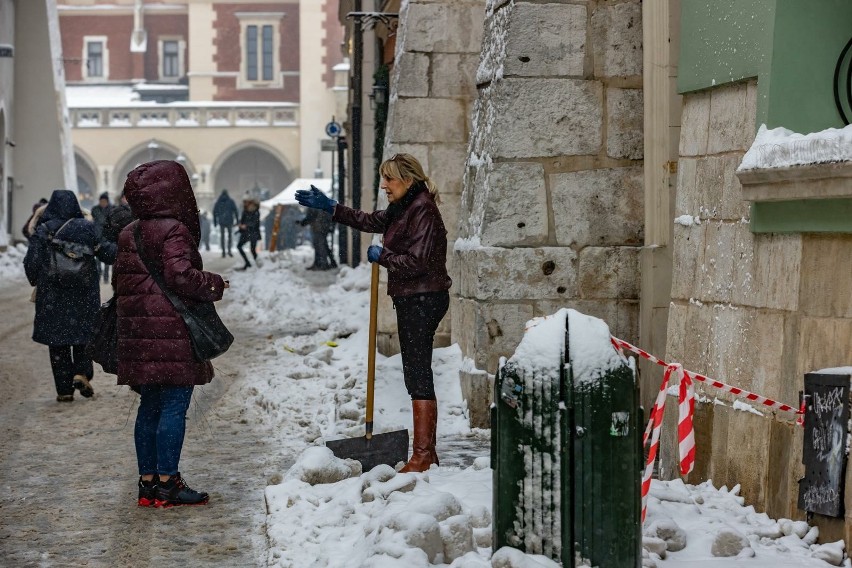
x=253 y=242
x=417 y=318
x=223 y=232
x=322 y=255
x=67 y=361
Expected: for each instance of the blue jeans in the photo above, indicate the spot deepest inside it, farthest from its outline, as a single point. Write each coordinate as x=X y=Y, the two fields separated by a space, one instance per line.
x=160 y=428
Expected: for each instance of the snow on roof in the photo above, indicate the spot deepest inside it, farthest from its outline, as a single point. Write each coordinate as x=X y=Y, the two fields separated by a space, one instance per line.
x=287 y=196
x=782 y=148
x=118 y=96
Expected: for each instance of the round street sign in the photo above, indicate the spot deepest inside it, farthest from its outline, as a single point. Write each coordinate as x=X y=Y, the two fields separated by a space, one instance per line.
x=333 y=129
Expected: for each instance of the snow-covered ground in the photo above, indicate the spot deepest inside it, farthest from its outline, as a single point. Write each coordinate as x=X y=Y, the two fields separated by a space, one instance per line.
x=304 y=375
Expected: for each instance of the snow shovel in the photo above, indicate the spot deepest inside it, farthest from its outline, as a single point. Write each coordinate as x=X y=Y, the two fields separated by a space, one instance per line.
x=373 y=449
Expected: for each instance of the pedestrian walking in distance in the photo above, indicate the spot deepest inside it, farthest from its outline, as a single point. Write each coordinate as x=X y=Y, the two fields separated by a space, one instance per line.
x=67 y=293
x=415 y=256
x=155 y=356
x=204 y=222
x=225 y=216
x=100 y=213
x=249 y=230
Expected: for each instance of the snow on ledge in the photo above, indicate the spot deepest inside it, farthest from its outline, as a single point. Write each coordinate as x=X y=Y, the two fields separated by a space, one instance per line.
x=782 y=148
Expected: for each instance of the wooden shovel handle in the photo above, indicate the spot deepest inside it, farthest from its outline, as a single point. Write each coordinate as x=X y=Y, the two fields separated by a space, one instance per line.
x=371 y=353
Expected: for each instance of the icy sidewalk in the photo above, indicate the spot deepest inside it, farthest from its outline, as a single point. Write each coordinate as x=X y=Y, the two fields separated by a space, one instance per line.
x=306 y=379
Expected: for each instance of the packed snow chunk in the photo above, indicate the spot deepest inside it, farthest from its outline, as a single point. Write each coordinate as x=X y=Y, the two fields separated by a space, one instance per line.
x=656 y=545
x=783 y=148
x=482 y=463
x=508 y=557
x=668 y=531
x=728 y=542
x=771 y=531
x=437 y=504
x=687 y=220
x=831 y=552
x=483 y=537
x=404 y=483
x=480 y=516
x=471 y=560
x=378 y=474
x=798 y=528
x=419 y=531
x=747 y=552
x=318 y=465
x=457 y=535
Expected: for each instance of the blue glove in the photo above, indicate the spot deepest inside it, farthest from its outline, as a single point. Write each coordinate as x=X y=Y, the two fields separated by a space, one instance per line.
x=315 y=199
x=373 y=253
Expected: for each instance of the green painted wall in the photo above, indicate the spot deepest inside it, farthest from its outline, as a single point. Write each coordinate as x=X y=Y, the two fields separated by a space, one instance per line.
x=791 y=46
x=802 y=216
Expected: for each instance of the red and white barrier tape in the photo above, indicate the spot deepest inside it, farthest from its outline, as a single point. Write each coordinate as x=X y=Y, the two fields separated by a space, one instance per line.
x=686 y=410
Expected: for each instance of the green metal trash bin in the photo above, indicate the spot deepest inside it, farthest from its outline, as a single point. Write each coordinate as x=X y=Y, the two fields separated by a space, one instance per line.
x=566 y=446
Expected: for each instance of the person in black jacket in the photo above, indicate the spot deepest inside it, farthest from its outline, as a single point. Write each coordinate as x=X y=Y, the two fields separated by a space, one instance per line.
x=118 y=218
x=321 y=224
x=225 y=216
x=100 y=212
x=65 y=310
x=249 y=230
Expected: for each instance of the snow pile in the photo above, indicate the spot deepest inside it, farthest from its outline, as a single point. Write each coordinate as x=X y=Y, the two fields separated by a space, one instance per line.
x=12 y=262
x=590 y=348
x=382 y=519
x=698 y=525
x=782 y=148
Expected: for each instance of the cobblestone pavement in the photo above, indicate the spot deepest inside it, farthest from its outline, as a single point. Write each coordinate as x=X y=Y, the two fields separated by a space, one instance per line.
x=68 y=471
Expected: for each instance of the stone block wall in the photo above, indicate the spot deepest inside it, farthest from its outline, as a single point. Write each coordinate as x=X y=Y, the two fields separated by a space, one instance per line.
x=431 y=95
x=756 y=311
x=552 y=210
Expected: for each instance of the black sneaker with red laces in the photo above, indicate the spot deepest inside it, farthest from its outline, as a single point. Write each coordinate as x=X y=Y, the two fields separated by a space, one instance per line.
x=176 y=492
x=147 y=492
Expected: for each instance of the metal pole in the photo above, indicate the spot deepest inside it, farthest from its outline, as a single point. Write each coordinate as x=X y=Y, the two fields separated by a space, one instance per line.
x=357 y=82
x=342 y=232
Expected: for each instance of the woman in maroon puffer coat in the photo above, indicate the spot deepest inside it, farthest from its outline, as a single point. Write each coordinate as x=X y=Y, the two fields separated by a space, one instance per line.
x=154 y=350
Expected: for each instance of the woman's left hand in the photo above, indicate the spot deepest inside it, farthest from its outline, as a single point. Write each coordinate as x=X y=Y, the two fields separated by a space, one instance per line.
x=374 y=252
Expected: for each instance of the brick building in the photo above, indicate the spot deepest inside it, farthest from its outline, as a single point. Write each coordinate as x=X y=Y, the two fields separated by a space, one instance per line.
x=217 y=85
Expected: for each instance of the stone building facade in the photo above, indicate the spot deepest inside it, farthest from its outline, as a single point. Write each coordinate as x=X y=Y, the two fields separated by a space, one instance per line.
x=433 y=88
x=552 y=208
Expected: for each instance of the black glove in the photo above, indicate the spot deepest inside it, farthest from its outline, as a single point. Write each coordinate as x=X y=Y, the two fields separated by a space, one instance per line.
x=315 y=199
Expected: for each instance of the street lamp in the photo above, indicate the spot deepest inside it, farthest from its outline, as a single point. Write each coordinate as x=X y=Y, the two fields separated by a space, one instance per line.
x=379 y=96
x=152 y=147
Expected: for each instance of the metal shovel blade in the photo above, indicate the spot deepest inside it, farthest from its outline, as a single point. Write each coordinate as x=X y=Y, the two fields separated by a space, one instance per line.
x=388 y=447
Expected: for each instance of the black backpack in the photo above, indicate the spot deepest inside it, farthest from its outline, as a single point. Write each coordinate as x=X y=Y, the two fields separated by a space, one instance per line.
x=70 y=264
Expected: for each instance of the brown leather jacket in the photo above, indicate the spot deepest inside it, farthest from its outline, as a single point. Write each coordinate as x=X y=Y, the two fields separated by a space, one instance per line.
x=415 y=242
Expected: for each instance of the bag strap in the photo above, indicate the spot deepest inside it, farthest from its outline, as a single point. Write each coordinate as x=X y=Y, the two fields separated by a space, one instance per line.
x=156 y=275
x=53 y=235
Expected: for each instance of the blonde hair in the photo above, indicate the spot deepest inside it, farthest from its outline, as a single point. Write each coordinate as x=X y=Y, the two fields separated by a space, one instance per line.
x=406 y=167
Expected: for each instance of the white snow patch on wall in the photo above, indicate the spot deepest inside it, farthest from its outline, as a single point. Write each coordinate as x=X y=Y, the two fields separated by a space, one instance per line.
x=782 y=148
x=687 y=220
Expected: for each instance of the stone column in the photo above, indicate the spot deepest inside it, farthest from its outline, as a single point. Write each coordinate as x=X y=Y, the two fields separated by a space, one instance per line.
x=551 y=213
x=431 y=94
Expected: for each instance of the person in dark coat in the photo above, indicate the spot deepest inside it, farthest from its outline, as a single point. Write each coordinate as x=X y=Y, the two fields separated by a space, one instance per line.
x=100 y=212
x=225 y=216
x=320 y=224
x=204 y=222
x=26 y=229
x=249 y=230
x=154 y=351
x=415 y=256
x=65 y=315
x=118 y=218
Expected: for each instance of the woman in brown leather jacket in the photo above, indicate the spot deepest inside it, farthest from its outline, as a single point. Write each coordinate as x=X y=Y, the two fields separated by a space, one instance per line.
x=415 y=256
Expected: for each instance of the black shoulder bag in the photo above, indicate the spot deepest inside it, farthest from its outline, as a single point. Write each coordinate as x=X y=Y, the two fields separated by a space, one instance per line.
x=103 y=347
x=208 y=335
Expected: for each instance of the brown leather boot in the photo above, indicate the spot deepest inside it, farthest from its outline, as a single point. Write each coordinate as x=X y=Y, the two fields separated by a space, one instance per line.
x=425 y=425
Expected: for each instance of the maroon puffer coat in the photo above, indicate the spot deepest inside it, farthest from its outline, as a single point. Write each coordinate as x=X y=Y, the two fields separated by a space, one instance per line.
x=153 y=342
